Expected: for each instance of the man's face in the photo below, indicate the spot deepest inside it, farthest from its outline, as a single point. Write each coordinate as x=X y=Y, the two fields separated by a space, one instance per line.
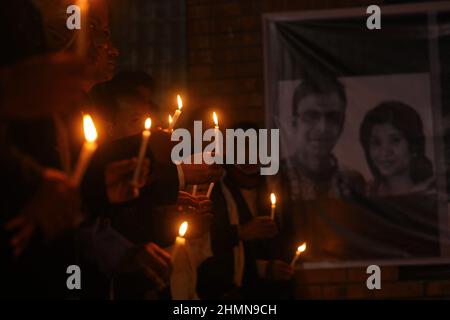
x=318 y=124
x=102 y=51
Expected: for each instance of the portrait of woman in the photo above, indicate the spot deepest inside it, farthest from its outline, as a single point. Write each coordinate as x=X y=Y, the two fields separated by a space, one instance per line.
x=393 y=140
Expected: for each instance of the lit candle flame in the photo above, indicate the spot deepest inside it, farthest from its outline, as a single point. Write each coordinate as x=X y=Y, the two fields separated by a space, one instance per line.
x=183 y=229
x=301 y=248
x=90 y=133
x=216 y=120
x=170 y=119
x=148 y=123
x=180 y=102
x=273 y=199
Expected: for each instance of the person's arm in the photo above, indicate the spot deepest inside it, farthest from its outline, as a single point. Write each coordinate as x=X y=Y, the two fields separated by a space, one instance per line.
x=113 y=254
x=22 y=175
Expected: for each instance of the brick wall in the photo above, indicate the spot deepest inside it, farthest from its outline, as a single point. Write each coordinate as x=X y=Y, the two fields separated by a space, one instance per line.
x=225 y=72
x=406 y=282
x=225 y=54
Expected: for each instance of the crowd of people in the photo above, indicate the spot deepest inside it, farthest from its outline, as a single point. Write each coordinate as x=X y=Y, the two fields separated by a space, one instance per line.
x=121 y=235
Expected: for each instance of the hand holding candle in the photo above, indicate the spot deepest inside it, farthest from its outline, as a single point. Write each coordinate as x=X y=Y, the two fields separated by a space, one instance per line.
x=299 y=251
x=273 y=200
x=145 y=137
x=87 y=151
x=176 y=115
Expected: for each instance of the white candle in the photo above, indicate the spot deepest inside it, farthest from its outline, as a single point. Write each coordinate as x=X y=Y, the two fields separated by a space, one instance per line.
x=216 y=150
x=273 y=200
x=210 y=188
x=216 y=132
x=180 y=241
x=299 y=251
x=87 y=151
x=177 y=113
x=143 y=150
x=82 y=39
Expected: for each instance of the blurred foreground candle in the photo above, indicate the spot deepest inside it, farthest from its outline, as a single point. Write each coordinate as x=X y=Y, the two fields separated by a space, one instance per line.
x=170 y=124
x=180 y=241
x=273 y=200
x=177 y=113
x=216 y=132
x=145 y=136
x=82 y=39
x=300 y=249
x=216 y=150
x=89 y=147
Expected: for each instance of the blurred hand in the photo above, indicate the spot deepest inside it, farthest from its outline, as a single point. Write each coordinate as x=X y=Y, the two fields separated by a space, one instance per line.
x=201 y=173
x=118 y=177
x=198 y=201
x=262 y=227
x=54 y=209
x=199 y=213
x=279 y=270
x=44 y=85
x=154 y=262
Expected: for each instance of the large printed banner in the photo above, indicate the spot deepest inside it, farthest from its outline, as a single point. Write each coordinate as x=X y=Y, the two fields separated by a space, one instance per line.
x=362 y=122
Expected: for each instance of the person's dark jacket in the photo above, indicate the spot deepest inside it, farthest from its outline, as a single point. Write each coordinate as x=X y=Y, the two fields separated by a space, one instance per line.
x=138 y=221
x=216 y=274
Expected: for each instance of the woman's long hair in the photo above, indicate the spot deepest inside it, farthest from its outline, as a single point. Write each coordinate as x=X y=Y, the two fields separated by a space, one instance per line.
x=404 y=118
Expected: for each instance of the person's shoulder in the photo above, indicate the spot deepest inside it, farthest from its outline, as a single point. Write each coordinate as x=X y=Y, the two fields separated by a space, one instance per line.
x=351 y=174
x=352 y=178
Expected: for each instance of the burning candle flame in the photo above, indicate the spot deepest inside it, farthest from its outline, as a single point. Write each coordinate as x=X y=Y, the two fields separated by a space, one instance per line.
x=180 y=102
x=216 y=120
x=301 y=248
x=148 y=123
x=90 y=133
x=183 y=229
x=170 y=119
x=273 y=199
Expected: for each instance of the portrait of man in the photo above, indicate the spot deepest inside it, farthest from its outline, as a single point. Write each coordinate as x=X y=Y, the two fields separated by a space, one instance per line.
x=318 y=116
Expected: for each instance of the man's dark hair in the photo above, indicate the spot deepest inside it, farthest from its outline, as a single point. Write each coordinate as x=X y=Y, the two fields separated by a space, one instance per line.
x=104 y=95
x=311 y=87
x=127 y=82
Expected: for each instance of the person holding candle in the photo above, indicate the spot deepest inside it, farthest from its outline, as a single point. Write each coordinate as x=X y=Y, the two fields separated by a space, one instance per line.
x=40 y=208
x=144 y=218
x=101 y=56
x=241 y=234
